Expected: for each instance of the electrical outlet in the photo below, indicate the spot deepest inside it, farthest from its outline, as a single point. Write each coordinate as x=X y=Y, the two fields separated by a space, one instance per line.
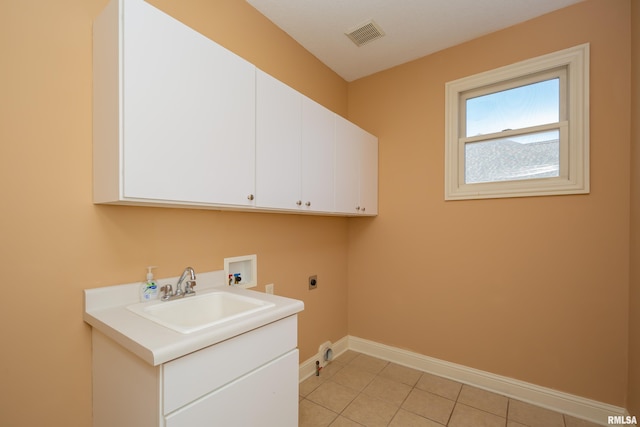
x=269 y=288
x=313 y=282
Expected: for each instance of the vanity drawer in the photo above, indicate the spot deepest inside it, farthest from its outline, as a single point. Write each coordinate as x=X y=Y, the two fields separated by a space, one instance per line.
x=272 y=391
x=189 y=377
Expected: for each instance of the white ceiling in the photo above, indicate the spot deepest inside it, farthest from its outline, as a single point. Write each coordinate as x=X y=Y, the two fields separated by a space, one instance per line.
x=413 y=28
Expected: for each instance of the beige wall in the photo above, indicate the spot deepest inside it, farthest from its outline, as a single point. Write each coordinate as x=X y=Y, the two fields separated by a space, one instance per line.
x=55 y=242
x=535 y=288
x=530 y=288
x=634 y=295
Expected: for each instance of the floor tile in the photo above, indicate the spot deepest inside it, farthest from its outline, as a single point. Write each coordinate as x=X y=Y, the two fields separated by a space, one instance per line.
x=370 y=411
x=313 y=415
x=429 y=405
x=333 y=396
x=310 y=384
x=388 y=390
x=331 y=369
x=344 y=422
x=368 y=363
x=533 y=416
x=484 y=400
x=357 y=390
x=348 y=356
x=353 y=377
x=401 y=374
x=440 y=386
x=407 y=419
x=466 y=416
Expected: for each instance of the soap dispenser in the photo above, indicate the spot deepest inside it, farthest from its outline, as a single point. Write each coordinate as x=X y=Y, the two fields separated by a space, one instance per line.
x=149 y=289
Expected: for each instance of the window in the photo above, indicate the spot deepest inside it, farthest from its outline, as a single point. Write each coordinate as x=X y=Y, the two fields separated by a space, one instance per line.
x=520 y=130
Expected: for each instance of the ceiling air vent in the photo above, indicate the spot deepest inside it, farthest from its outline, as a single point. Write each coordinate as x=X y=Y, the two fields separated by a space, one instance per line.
x=365 y=33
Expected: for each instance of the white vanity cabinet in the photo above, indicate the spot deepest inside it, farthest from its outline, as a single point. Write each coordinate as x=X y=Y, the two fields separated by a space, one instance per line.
x=248 y=380
x=294 y=149
x=174 y=113
x=356 y=174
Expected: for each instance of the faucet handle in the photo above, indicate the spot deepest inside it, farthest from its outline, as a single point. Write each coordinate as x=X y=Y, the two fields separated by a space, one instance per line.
x=168 y=292
x=188 y=287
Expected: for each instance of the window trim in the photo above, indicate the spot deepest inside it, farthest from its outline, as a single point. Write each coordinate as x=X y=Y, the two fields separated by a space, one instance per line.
x=574 y=143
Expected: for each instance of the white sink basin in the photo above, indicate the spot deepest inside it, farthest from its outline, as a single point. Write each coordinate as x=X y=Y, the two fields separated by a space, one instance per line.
x=199 y=312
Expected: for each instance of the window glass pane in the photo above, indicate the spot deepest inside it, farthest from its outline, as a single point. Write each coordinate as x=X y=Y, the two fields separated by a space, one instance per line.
x=520 y=107
x=529 y=156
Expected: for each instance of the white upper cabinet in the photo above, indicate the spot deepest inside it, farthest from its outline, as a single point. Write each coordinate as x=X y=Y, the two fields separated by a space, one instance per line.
x=294 y=149
x=356 y=174
x=317 y=156
x=174 y=112
x=368 y=188
x=278 y=133
x=178 y=120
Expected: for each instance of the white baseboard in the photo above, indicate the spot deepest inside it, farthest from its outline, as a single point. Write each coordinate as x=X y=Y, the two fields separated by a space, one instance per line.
x=579 y=407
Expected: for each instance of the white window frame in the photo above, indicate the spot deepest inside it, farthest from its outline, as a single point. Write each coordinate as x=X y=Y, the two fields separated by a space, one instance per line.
x=573 y=126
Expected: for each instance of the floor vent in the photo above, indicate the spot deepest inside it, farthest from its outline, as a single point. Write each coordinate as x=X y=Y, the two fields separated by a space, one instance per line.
x=365 y=33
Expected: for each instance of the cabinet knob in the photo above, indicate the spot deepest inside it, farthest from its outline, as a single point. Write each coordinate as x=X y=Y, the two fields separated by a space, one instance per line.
x=299 y=202
x=363 y=209
x=308 y=204
x=250 y=197
x=358 y=208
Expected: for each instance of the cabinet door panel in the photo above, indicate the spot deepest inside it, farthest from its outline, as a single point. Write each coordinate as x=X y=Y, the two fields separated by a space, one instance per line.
x=369 y=174
x=317 y=156
x=267 y=396
x=189 y=112
x=356 y=170
x=347 y=173
x=278 y=123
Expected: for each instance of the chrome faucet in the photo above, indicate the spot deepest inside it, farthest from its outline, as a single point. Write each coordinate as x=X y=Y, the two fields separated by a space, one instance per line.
x=188 y=288
x=188 y=291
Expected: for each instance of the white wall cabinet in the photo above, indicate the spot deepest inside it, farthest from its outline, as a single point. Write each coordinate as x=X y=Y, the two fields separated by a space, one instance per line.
x=181 y=121
x=356 y=174
x=248 y=380
x=174 y=112
x=294 y=149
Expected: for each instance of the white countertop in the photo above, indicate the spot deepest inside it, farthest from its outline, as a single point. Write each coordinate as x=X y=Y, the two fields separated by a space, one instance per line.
x=106 y=310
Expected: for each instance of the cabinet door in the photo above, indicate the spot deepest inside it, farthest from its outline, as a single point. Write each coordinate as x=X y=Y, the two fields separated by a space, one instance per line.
x=189 y=111
x=347 y=173
x=356 y=174
x=267 y=396
x=278 y=124
x=368 y=174
x=317 y=157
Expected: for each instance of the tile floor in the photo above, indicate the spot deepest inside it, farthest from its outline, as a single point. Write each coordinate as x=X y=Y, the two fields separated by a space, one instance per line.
x=360 y=390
